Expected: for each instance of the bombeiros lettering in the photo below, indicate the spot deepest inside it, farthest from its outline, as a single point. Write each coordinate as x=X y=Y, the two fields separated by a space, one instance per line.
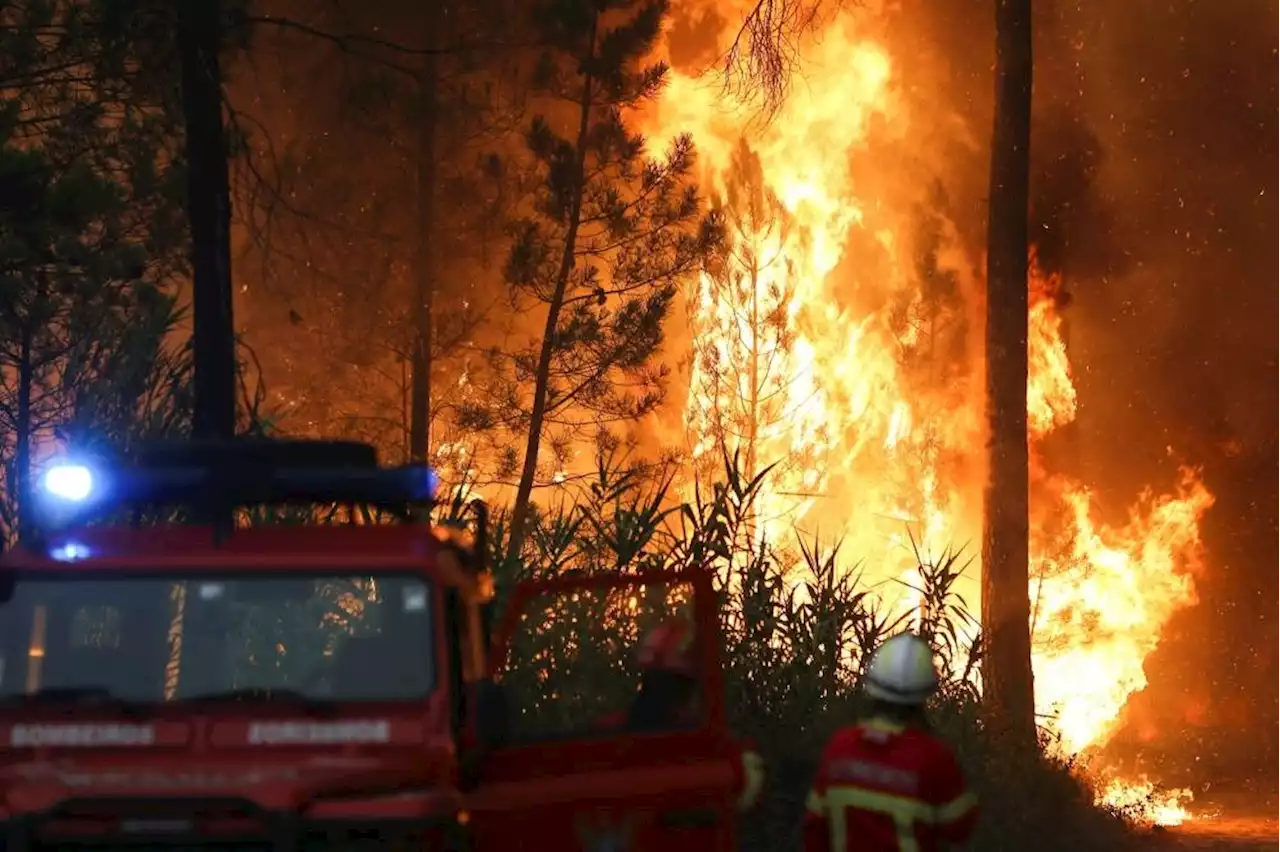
x=318 y=733
x=106 y=735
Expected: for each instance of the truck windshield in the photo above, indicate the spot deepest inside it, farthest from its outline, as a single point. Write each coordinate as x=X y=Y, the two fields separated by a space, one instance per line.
x=177 y=638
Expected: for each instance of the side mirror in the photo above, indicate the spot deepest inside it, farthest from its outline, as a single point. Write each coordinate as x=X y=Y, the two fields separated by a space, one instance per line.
x=481 y=539
x=489 y=718
x=491 y=714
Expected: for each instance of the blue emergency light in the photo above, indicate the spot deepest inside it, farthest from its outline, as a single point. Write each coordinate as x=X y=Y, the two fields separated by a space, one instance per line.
x=232 y=474
x=73 y=483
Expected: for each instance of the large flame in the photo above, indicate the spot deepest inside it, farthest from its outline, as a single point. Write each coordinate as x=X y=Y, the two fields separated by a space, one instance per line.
x=840 y=339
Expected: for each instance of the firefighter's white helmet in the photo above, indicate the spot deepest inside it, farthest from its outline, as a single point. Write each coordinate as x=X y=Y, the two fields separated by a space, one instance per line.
x=901 y=671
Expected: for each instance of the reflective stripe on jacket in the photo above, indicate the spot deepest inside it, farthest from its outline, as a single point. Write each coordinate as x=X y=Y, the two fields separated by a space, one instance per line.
x=882 y=787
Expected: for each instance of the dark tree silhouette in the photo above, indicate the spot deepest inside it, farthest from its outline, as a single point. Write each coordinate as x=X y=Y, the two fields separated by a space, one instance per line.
x=91 y=238
x=611 y=236
x=209 y=210
x=1008 y=685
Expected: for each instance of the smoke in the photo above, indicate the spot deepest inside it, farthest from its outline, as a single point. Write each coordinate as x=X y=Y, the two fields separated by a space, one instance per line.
x=693 y=36
x=1071 y=223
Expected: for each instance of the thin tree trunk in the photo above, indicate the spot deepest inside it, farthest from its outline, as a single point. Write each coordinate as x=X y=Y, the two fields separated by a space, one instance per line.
x=753 y=423
x=22 y=431
x=209 y=210
x=425 y=268
x=542 y=379
x=1007 y=676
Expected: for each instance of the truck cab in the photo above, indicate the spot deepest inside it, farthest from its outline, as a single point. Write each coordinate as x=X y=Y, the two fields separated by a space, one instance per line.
x=314 y=686
x=177 y=684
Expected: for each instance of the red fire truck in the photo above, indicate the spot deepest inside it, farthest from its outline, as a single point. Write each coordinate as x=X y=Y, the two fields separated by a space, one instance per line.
x=308 y=686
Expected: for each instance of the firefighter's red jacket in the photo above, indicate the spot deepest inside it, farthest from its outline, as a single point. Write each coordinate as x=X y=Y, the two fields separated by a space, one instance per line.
x=883 y=787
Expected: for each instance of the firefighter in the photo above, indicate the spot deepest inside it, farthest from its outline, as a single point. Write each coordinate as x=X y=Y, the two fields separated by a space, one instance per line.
x=668 y=694
x=888 y=784
x=668 y=698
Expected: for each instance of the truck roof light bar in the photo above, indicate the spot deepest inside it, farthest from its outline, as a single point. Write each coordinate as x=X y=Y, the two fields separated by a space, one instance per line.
x=234 y=474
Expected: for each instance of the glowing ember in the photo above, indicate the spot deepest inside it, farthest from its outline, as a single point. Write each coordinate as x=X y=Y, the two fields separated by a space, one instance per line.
x=841 y=338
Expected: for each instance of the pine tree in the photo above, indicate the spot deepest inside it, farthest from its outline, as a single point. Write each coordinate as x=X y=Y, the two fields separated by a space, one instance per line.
x=742 y=332
x=610 y=237
x=90 y=238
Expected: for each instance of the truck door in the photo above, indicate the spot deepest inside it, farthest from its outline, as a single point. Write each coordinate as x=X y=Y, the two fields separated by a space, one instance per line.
x=569 y=770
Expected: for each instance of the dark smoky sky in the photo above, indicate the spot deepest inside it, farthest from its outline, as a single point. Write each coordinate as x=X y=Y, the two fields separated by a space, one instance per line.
x=1162 y=119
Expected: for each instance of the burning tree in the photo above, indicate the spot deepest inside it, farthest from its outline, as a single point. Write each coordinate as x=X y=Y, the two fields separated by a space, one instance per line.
x=749 y=285
x=609 y=239
x=743 y=330
x=1006 y=608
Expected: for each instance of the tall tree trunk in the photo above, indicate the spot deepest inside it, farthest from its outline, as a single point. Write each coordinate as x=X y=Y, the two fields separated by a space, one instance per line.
x=209 y=210
x=425 y=267
x=753 y=370
x=542 y=378
x=22 y=430
x=1007 y=677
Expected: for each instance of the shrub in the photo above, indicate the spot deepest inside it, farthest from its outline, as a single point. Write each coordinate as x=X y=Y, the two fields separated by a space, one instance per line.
x=797 y=626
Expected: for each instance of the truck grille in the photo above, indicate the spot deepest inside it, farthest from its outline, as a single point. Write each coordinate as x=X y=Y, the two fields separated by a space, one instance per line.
x=311 y=844
x=199 y=825
x=124 y=846
x=308 y=842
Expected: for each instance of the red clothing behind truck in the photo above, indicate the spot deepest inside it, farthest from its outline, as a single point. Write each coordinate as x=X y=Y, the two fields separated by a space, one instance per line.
x=668 y=700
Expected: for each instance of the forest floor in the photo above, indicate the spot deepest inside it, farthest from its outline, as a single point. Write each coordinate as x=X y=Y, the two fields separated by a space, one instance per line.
x=1242 y=821
x=1224 y=834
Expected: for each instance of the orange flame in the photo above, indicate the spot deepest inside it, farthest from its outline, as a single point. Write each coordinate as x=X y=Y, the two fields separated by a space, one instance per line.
x=872 y=400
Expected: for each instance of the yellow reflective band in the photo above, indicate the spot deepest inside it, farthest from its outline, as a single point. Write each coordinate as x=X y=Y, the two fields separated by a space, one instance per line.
x=904 y=812
x=954 y=810
x=752 y=780
x=814 y=804
x=879 y=724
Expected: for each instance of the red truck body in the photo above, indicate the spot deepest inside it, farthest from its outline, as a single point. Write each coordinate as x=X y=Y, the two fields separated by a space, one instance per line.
x=672 y=791
x=172 y=770
x=291 y=765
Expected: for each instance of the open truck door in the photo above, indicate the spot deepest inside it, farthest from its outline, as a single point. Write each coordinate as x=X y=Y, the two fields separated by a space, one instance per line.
x=562 y=768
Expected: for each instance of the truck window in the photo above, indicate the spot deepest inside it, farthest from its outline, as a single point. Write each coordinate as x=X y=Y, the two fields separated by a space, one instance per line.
x=572 y=667
x=156 y=638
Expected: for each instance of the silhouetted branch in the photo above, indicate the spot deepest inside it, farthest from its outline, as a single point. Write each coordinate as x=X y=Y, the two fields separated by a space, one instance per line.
x=350 y=43
x=760 y=62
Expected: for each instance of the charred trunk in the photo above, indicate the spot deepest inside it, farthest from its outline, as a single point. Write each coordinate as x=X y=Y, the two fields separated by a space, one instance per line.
x=753 y=370
x=1007 y=677
x=425 y=267
x=209 y=211
x=23 y=429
